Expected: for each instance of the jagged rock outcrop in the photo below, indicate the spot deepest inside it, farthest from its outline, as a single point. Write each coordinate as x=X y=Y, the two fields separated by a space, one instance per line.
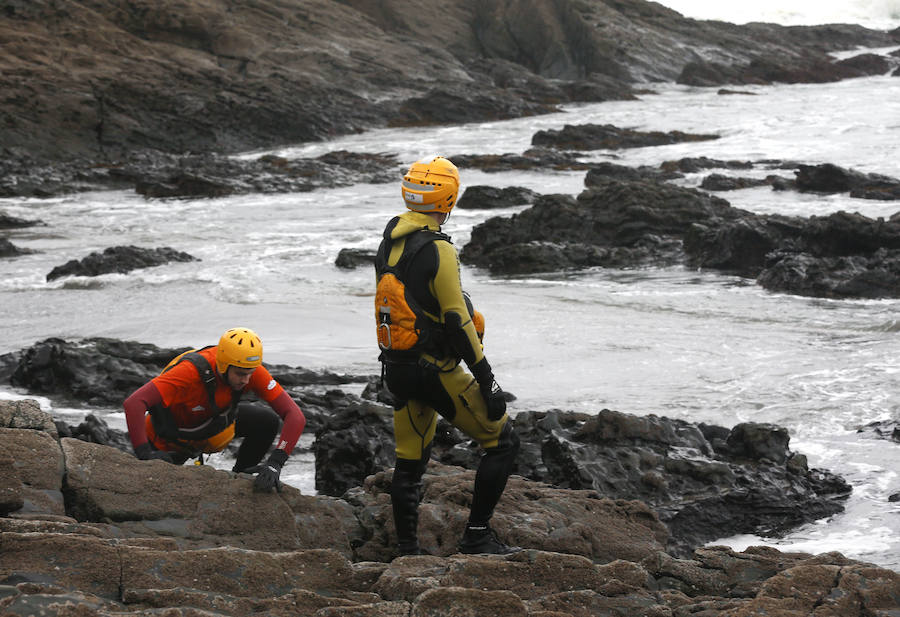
x=119 y=259
x=488 y=197
x=609 y=137
x=829 y=178
x=613 y=224
x=694 y=476
x=14 y=222
x=8 y=249
x=721 y=182
x=632 y=219
x=348 y=259
x=888 y=429
x=127 y=537
x=163 y=175
x=697 y=478
x=533 y=158
x=809 y=67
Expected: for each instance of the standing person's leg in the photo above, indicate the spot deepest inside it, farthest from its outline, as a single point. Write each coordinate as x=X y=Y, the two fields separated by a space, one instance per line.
x=414 y=425
x=500 y=444
x=258 y=425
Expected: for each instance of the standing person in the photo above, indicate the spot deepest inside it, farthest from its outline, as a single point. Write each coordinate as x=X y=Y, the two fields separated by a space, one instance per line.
x=193 y=407
x=425 y=330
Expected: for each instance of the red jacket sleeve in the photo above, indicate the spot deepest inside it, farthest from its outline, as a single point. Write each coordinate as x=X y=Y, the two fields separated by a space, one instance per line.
x=136 y=407
x=294 y=421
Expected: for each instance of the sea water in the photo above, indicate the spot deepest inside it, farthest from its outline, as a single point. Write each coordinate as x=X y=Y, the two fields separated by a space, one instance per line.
x=876 y=14
x=695 y=345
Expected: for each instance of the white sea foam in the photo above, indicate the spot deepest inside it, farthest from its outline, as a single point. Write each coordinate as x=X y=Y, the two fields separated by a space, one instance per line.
x=876 y=14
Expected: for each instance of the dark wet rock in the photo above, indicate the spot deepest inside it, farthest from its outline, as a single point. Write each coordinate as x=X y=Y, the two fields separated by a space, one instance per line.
x=609 y=137
x=600 y=172
x=162 y=175
x=726 y=91
x=8 y=249
x=840 y=255
x=612 y=224
x=700 y=492
x=533 y=158
x=103 y=371
x=721 y=182
x=739 y=246
x=461 y=105
x=746 y=480
x=808 y=67
x=351 y=445
x=694 y=164
x=14 y=222
x=886 y=429
x=216 y=176
x=349 y=259
x=628 y=223
x=120 y=259
x=184 y=185
x=780 y=183
x=855 y=276
x=867 y=64
x=488 y=197
x=95 y=371
x=95 y=430
x=757 y=441
x=829 y=178
x=23 y=175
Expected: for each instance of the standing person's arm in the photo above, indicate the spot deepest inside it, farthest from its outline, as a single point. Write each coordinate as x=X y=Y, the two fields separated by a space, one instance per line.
x=461 y=329
x=136 y=407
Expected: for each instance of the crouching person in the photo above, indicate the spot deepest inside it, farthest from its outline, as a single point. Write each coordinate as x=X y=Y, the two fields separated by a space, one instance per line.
x=193 y=407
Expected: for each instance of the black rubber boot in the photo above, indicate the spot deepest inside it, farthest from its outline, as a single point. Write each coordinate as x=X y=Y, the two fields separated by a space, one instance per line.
x=480 y=538
x=492 y=474
x=406 y=490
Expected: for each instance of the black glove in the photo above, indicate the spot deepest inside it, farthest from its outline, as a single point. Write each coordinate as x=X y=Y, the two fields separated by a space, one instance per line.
x=146 y=452
x=493 y=395
x=268 y=473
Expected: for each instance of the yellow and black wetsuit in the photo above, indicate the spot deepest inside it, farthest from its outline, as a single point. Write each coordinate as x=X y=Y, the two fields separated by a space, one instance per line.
x=432 y=380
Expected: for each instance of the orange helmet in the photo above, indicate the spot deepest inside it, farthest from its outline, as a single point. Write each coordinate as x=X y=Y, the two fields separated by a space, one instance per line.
x=239 y=347
x=431 y=185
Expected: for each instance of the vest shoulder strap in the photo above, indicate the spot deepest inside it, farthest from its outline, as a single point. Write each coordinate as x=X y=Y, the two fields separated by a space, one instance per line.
x=207 y=376
x=415 y=242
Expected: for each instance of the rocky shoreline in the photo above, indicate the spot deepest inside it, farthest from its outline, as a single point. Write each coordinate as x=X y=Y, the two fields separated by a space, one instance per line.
x=639 y=217
x=185 y=79
x=157 y=100
x=704 y=482
x=612 y=510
